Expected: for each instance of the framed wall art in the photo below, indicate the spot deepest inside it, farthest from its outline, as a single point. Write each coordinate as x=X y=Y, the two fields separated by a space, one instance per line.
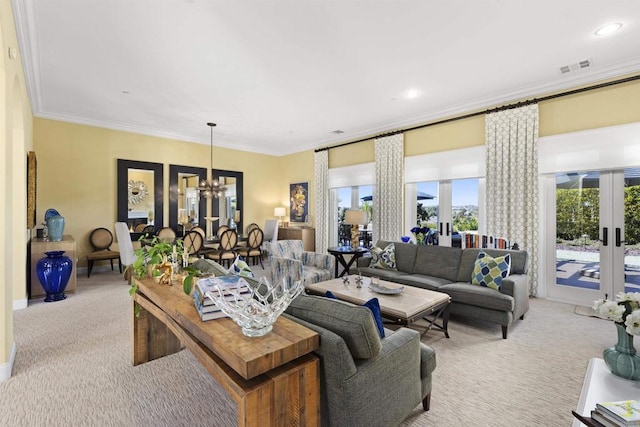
x=299 y=202
x=32 y=177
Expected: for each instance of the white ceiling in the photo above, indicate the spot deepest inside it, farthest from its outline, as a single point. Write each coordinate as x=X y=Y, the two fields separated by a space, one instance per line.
x=279 y=76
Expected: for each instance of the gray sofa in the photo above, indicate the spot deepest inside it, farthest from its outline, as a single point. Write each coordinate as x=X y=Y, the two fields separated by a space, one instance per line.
x=449 y=270
x=364 y=380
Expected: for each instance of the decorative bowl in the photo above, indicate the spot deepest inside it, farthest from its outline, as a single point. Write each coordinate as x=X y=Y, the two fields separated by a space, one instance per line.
x=256 y=309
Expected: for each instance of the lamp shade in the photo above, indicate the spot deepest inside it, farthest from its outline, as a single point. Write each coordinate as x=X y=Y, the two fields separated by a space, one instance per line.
x=280 y=212
x=355 y=217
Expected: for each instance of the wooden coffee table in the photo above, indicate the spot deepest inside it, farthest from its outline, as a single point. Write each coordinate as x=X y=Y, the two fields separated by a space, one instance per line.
x=404 y=308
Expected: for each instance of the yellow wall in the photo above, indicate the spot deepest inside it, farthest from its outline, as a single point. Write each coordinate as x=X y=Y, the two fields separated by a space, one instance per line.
x=77 y=174
x=15 y=142
x=609 y=106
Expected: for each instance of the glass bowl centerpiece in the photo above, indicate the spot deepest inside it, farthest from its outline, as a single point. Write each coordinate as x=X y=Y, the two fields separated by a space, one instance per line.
x=257 y=309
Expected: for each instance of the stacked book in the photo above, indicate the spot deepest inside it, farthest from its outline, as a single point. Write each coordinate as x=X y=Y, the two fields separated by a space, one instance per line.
x=625 y=413
x=207 y=309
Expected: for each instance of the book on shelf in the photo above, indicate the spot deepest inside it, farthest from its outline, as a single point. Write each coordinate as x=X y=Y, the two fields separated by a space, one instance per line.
x=602 y=420
x=625 y=412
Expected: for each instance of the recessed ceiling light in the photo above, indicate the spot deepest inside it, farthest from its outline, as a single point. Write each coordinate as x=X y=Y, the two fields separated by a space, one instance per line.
x=412 y=93
x=608 y=29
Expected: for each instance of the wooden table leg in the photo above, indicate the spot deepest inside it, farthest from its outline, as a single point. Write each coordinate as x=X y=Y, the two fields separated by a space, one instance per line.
x=151 y=337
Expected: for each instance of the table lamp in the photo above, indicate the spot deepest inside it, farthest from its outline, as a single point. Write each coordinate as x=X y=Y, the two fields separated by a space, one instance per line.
x=355 y=218
x=280 y=213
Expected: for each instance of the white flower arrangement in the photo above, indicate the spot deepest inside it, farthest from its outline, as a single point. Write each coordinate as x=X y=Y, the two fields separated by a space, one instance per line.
x=625 y=310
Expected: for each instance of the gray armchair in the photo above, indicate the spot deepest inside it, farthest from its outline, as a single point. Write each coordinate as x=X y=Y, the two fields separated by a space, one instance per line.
x=364 y=380
x=289 y=260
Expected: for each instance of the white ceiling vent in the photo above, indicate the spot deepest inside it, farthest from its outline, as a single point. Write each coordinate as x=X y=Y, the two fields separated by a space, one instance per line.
x=585 y=63
x=337 y=131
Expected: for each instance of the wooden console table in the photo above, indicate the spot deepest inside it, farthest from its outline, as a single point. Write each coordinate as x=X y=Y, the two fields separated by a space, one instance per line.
x=274 y=379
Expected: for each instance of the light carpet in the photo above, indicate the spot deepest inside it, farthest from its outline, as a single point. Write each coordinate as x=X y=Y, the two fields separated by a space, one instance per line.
x=73 y=367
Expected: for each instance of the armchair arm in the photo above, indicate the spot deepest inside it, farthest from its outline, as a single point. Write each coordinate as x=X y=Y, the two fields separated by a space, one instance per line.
x=517 y=286
x=318 y=260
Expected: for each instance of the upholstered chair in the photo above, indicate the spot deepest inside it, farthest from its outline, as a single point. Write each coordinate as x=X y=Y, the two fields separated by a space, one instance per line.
x=289 y=260
x=365 y=380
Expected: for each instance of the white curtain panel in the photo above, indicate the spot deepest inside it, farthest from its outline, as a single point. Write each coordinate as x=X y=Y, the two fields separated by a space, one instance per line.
x=322 y=200
x=387 y=195
x=512 y=181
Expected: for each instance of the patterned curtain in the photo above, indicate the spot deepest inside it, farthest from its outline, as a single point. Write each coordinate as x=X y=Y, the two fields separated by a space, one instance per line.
x=387 y=195
x=322 y=200
x=512 y=181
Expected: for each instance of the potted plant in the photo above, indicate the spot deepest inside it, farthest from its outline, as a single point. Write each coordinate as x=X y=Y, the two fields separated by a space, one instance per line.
x=154 y=260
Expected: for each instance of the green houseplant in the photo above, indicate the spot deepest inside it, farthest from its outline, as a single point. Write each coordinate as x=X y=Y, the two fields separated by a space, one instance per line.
x=155 y=253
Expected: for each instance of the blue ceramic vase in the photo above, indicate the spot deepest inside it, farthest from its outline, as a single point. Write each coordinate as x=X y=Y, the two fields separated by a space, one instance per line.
x=55 y=226
x=54 y=272
x=622 y=359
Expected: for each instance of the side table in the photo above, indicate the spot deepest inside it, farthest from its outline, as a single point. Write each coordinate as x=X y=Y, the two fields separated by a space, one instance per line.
x=340 y=251
x=600 y=385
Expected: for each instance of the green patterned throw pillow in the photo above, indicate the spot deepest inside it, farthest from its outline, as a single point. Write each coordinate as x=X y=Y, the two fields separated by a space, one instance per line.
x=489 y=271
x=384 y=258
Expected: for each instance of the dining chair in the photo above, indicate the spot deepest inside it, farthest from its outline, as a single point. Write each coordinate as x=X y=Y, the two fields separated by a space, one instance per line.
x=167 y=235
x=253 y=250
x=139 y=228
x=149 y=229
x=251 y=227
x=221 y=230
x=192 y=244
x=199 y=230
x=101 y=240
x=225 y=254
x=270 y=235
x=125 y=246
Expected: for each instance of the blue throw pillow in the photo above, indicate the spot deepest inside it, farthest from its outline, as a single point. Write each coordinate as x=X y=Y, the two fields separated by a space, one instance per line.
x=374 y=305
x=330 y=294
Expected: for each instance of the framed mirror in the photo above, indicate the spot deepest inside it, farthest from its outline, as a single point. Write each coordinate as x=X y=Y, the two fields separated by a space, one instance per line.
x=140 y=194
x=229 y=208
x=185 y=205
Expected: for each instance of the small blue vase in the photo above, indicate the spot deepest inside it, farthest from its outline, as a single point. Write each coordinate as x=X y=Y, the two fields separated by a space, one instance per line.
x=54 y=272
x=55 y=225
x=622 y=359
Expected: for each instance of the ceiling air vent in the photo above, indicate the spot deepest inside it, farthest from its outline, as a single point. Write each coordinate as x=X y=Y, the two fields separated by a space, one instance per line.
x=585 y=63
x=337 y=131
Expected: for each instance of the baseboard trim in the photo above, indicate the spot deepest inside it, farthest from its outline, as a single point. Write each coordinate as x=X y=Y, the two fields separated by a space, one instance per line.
x=7 y=368
x=19 y=304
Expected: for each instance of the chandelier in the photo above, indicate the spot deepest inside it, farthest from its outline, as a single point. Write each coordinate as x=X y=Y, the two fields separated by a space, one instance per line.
x=211 y=188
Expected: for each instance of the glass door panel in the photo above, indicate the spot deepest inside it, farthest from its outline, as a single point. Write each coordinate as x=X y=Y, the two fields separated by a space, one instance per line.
x=464 y=209
x=577 y=248
x=631 y=245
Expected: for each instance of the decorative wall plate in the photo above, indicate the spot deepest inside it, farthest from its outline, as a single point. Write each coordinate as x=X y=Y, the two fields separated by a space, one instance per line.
x=137 y=192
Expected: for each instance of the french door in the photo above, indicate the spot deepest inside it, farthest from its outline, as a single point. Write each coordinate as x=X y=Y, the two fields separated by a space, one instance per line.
x=594 y=237
x=448 y=207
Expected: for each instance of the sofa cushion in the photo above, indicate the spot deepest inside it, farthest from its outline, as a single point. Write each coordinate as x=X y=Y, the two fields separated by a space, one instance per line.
x=405 y=254
x=353 y=323
x=419 y=281
x=490 y=271
x=391 y=275
x=466 y=293
x=437 y=261
x=383 y=258
x=519 y=262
